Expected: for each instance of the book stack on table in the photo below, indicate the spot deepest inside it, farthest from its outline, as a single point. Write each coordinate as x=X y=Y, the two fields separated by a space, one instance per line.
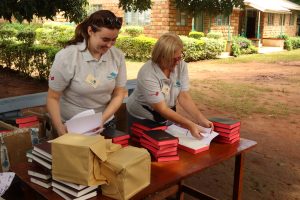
x=228 y=129
x=40 y=174
x=41 y=165
x=71 y=191
x=161 y=145
x=27 y=121
x=138 y=128
x=117 y=137
x=151 y=135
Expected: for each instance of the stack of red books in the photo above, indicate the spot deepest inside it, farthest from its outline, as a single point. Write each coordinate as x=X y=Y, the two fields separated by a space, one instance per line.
x=138 y=128
x=228 y=129
x=28 y=121
x=118 y=137
x=161 y=145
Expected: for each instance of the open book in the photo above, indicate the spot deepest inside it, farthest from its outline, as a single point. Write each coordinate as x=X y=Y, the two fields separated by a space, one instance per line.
x=189 y=143
x=87 y=122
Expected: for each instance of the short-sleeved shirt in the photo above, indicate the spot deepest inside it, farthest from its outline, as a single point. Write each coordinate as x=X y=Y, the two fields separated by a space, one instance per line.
x=153 y=87
x=85 y=82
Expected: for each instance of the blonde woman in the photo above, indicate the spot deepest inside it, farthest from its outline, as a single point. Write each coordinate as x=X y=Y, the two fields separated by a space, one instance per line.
x=161 y=82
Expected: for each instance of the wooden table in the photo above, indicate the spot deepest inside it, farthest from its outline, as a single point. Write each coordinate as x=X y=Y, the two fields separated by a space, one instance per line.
x=167 y=177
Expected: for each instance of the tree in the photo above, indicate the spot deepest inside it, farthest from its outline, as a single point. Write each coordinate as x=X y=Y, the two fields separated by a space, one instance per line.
x=135 y=5
x=74 y=10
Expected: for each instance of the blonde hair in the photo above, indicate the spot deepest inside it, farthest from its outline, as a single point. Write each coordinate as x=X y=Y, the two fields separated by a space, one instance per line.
x=165 y=48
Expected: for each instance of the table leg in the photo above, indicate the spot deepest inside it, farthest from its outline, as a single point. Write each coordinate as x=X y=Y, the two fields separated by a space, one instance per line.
x=238 y=177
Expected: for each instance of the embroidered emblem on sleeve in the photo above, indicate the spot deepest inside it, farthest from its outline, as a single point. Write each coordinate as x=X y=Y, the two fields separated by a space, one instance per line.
x=112 y=75
x=153 y=94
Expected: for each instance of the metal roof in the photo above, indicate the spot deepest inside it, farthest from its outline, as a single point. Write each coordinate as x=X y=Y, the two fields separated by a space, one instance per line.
x=273 y=6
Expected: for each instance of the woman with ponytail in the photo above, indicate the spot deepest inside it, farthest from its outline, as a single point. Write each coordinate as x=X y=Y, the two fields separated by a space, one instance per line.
x=89 y=73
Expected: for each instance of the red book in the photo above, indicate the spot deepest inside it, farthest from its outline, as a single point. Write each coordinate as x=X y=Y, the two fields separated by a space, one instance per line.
x=225 y=122
x=193 y=151
x=229 y=136
x=147 y=125
x=27 y=119
x=221 y=140
x=225 y=130
x=172 y=153
x=28 y=124
x=159 y=152
x=121 y=142
x=160 y=137
x=167 y=158
x=136 y=131
x=115 y=135
x=145 y=141
x=44 y=149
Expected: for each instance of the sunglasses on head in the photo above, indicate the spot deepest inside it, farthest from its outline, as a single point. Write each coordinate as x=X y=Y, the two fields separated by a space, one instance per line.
x=115 y=22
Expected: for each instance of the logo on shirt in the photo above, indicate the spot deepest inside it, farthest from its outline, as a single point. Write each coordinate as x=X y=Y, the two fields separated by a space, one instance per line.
x=51 y=78
x=112 y=75
x=154 y=94
x=177 y=84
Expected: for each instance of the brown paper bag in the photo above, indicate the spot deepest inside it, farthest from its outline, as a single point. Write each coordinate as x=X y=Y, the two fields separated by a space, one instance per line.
x=77 y=158
x=127 y=171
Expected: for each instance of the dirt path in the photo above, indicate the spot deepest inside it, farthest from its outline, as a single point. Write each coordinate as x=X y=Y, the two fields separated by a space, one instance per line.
x=272 y=169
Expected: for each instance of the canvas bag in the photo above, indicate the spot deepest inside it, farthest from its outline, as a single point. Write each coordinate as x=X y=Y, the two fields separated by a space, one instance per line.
x=127 y=171
x=76 y=158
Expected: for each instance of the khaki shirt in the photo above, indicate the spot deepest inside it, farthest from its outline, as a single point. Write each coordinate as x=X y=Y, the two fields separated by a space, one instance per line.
x=85 y=82
x=153 y=87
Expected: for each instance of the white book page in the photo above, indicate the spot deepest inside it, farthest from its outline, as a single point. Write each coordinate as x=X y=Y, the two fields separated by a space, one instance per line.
x=186 y=138
x=84 y=123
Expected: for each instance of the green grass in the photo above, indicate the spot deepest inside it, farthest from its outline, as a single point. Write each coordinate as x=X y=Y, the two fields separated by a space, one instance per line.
x=238 y=98
x=283 y=56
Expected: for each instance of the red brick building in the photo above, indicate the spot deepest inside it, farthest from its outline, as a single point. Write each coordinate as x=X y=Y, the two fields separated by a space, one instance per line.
x=259 y=19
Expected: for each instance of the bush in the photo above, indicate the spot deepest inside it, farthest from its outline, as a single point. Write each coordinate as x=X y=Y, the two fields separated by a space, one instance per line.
x=196 y=34
x=27 y=37
x=213 y=47
x=193 y=49
x=292 y=43
x=133 y=31
x=214 y=35
x=242 y=45
x=137 y=48
x=282 y=36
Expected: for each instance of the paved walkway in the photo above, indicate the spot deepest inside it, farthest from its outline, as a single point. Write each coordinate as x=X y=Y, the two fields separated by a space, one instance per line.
x=261 y=50
x=265 y=49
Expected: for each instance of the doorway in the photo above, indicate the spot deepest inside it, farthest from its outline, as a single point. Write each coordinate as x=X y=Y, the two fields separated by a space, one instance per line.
x=251 y=23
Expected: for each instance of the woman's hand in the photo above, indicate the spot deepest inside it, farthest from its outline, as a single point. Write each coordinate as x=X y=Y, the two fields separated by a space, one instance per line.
x=62 y=129
x=196 y=130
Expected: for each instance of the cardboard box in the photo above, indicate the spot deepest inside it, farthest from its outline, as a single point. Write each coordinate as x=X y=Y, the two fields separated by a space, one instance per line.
x=17 y=141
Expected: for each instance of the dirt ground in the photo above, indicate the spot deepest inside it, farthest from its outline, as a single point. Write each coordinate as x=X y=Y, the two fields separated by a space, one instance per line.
x=272 y=168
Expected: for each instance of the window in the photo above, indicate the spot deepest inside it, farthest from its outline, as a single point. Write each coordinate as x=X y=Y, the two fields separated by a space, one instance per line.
x=282 y=19
x=181 y=18
x=292 y=19
x=137 y=18
x=270 y=19
x=221 y=20
x=93 y=8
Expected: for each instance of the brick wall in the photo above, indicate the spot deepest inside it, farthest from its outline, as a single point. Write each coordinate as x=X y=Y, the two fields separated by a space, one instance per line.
x=112 y=6
x=163 y=20
x=276 y=29
x=210 y=25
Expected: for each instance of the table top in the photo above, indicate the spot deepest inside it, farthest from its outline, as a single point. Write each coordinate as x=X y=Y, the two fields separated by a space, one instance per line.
x=163 y=174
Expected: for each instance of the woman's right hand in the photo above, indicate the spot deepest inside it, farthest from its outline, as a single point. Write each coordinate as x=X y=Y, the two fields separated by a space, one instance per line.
x=196 y=130
x=62 y=129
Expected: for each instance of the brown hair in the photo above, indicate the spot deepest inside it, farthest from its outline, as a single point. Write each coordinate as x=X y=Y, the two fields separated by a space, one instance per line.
x=164 y=49
x=97 y=20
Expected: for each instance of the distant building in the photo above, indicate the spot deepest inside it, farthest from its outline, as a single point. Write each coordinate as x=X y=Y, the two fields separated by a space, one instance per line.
x=259 y=19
